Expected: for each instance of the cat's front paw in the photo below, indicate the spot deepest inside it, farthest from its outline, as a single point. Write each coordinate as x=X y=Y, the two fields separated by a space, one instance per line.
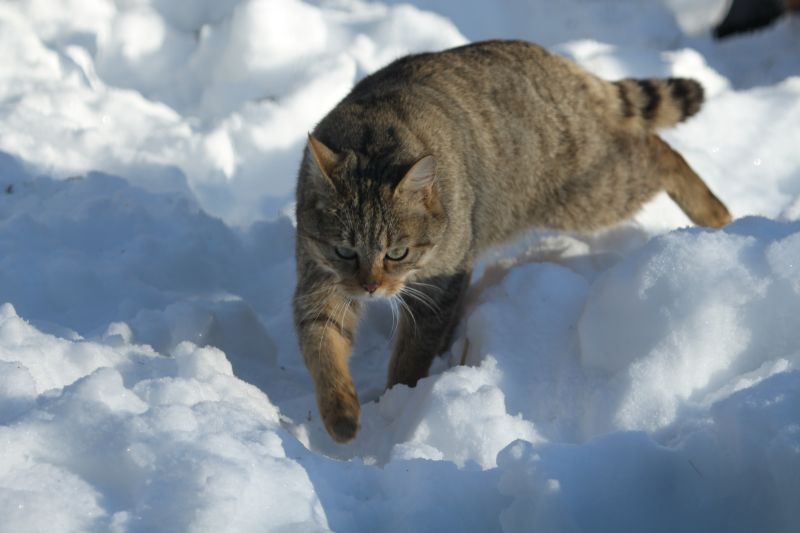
x=340 y=414
x=717 y=215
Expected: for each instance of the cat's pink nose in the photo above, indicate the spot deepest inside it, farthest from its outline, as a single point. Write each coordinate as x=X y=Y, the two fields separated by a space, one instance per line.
x=370 y=287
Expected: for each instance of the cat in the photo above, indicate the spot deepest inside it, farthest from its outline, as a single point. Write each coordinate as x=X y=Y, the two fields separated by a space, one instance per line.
x=439 y=156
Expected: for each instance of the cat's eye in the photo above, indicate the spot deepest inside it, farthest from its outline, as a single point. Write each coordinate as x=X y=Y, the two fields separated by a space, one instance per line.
x=397 y=254
x=345 y=253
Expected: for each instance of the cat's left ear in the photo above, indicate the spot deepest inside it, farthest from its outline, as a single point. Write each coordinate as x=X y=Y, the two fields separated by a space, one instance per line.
x=419 y=178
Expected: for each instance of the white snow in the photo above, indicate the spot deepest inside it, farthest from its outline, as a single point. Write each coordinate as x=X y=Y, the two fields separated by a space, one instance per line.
x=646 y=378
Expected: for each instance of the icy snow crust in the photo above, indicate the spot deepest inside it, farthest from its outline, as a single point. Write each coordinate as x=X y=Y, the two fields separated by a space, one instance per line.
x=642 y=379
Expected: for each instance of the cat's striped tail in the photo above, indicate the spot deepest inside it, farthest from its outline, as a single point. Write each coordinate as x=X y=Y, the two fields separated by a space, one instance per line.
x=658 y=103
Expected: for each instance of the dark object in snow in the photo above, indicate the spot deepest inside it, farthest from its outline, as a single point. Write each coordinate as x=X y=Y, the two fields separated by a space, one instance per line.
x=10 y=188
x=749 y=15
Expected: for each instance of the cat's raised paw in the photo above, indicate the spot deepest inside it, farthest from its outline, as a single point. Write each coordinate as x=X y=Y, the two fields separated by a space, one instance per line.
x=341 y=417
x=344 y=429
x=713 y=213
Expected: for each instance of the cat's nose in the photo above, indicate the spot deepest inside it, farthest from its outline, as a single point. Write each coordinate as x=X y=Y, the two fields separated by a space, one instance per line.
x=370 y=287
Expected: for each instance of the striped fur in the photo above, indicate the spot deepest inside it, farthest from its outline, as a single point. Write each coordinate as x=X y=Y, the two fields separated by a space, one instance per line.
x=658 y=103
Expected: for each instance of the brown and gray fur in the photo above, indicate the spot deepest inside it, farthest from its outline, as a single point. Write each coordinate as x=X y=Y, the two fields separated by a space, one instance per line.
x=448 y=154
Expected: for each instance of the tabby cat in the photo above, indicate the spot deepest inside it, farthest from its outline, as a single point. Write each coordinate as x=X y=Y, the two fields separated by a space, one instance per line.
x=439 y=156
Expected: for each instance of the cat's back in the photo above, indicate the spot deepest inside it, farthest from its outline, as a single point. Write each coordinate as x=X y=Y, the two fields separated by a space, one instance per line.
x=488 y=64
x=503 y=73
x=485 y=98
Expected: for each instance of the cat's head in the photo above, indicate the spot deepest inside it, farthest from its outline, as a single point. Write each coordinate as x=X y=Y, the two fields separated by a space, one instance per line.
x=373 y=233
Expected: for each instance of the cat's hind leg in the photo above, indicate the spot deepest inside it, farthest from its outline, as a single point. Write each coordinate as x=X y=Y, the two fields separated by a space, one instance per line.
x=686 y=188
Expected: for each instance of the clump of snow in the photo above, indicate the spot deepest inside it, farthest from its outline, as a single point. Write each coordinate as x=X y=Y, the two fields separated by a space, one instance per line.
x=461 y=417
x=642 y=379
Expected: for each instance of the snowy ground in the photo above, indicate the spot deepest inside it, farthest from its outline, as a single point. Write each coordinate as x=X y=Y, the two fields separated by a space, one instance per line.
x=643 y=379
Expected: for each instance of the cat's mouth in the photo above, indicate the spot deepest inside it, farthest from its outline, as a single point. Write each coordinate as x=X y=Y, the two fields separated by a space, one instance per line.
x=374 y=291
x=381 y=293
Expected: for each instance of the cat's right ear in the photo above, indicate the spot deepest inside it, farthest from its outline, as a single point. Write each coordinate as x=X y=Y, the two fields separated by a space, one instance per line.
x=324 y=158
x=419 y=178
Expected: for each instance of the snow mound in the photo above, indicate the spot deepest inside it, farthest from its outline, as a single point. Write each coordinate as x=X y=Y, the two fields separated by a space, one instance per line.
x=716 y=478
x=684 y=317
x=688 y=318
x=192 y=98
x=132 y=427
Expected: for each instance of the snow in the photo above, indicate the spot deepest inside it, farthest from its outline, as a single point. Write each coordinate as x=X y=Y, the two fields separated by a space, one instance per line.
x=646 y=378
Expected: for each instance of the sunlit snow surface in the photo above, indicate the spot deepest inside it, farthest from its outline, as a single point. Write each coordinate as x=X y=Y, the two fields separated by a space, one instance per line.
x=643 y=379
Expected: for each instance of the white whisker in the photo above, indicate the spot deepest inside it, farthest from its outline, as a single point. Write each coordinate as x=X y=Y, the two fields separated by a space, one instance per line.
x=407 y=309
x=422 y=298
x=344 y=312
x=428 y=285
x=393 y=307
